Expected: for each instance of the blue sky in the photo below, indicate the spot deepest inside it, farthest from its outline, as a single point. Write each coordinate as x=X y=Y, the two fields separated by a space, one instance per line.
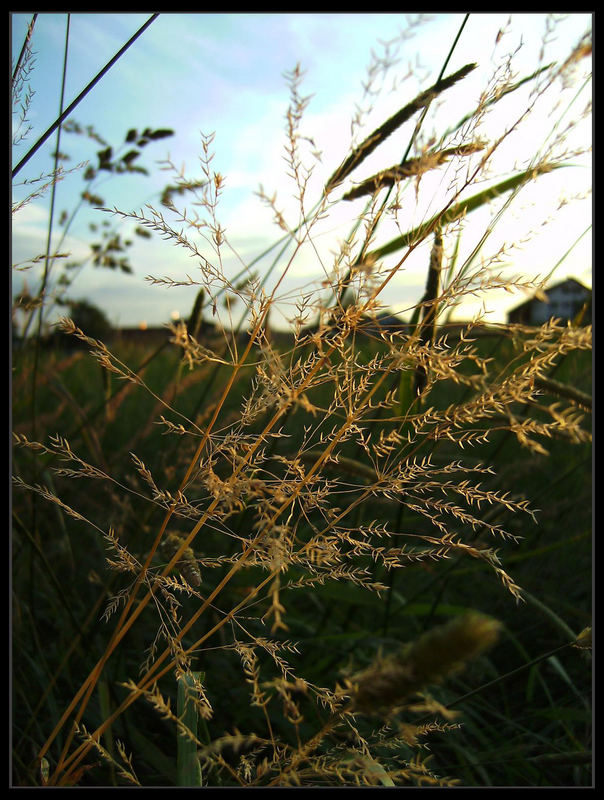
x=223 y=73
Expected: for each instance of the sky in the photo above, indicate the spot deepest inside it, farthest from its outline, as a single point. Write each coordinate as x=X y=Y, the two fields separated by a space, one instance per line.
x=225 y=74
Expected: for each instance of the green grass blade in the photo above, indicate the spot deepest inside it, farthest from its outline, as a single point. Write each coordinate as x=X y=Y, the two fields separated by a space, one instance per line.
x=406 y=396
x=460 y=210
x=188 y=772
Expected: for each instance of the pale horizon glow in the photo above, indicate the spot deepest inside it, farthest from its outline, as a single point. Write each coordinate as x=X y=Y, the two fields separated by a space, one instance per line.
x=223 y=74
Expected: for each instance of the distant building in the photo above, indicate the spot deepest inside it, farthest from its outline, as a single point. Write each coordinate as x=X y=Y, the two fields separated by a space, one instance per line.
x=564 y=301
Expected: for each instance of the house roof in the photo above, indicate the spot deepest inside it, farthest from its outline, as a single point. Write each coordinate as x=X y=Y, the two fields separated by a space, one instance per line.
x=549 y=289
x=565 y=281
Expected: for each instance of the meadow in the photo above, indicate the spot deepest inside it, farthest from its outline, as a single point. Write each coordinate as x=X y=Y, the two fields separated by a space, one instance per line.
x=337 y=556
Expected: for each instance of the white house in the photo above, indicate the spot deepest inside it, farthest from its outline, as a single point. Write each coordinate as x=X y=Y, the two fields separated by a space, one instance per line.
x=564 y=301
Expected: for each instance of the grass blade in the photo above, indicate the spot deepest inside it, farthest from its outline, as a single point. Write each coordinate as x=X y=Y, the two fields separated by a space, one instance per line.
x=361 y=152
x=462 y=208
x=188 y=772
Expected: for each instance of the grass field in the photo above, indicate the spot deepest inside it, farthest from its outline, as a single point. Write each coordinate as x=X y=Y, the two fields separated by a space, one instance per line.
x=531 y=728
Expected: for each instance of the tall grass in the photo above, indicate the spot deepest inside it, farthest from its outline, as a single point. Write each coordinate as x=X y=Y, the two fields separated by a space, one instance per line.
x=282 y=560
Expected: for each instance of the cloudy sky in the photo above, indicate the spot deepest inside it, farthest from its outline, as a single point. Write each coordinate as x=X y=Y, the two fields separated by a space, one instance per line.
x=224 y=74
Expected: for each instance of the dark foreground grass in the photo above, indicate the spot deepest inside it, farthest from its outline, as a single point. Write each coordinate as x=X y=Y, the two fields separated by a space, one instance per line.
x=531 y=727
